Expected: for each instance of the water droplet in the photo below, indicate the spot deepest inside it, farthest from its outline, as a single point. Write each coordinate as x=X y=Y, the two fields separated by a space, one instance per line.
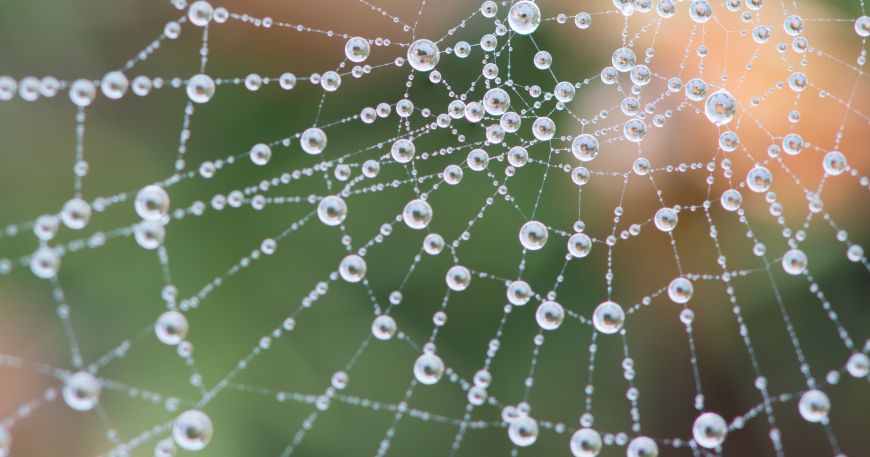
x=200 y=13
x=519 y=293
x=608 y=317
x=582 y=20
x=834 y=163
x=313 y=141
x=458 y=278
x=585 y=443
x=533 y=235
x=696 y=89
x=384 y=327
x=260 y=154
x=564 y=92
x=523 y=431
x=287 y=81
x=666 y=9
x=720 y=107
x=417 y=214
x=200 y=88
x=759 y=179
x=550 y=315
x=635 y=130
x=352 y=268
x=433 y=244
x=700 y=11
x=728 y=141
x=585 y=147
x=680 y=290
x=496 y=101
x=423 y=55
x=357 y=49
x=623 y=59
x=798 y=82
x=862 y=26
x=45 y=227
x=814 y=406
x=489 y=9
x=518 y=156
x=171 y=328
x=114 y=85
x=332 y=210
x=149 y=234
x=192 y=430
x=642 y=446
x=152 y=203
x=793 y=25
x=524 y=17
x=666 y=219
x=731 y=200
x=544 y=128
x=794 y=262
x=579 y=245
x=858 y=365
x=477 y=160
x=81 y=391
x=82 y=92
x=330 y=81
x=792 y=144
x=641 y=166
x=710 y=430
x=428 y=368
x=542 y=60
x=402 y=150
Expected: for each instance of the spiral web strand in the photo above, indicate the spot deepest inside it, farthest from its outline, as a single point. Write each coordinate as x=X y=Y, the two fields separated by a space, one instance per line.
x=497 y=130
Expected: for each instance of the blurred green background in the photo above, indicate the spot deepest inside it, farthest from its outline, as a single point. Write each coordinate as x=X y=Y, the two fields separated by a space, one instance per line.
x=114 y=291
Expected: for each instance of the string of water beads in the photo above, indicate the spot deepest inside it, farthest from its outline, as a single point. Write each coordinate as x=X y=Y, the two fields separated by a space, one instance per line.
x=192 y=429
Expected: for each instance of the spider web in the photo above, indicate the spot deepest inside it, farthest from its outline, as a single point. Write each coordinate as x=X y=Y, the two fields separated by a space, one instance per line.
x=283 y=353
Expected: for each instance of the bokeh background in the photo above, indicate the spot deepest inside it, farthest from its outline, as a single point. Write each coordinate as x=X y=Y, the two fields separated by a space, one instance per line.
x=114 y=291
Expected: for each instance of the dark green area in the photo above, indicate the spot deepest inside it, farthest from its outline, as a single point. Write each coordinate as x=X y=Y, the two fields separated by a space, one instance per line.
x=114 y=291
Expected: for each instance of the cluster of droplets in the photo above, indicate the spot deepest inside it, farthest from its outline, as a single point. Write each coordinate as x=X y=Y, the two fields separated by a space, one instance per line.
x=192 y=430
